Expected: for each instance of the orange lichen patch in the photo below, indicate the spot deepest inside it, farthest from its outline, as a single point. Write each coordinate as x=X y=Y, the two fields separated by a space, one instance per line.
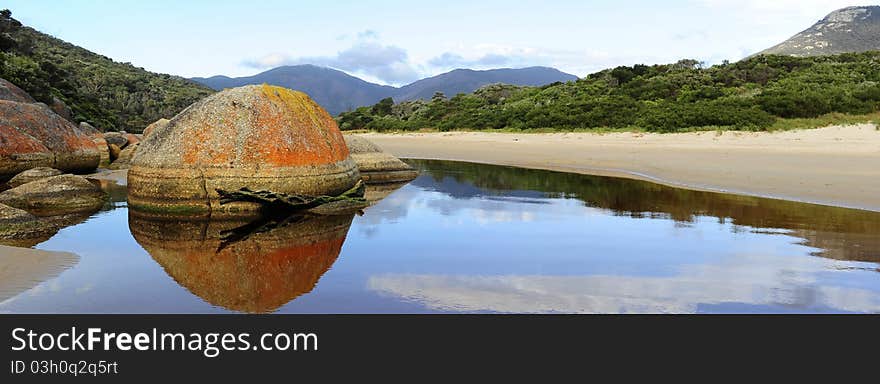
x=288 y=129
x=211 y=145
x=13 y=142
x=31 y=129
x=132 y=138
x=299 y=131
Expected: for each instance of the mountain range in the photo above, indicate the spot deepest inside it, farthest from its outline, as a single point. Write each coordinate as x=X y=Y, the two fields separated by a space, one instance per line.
x=338 y=91
x=847 y=30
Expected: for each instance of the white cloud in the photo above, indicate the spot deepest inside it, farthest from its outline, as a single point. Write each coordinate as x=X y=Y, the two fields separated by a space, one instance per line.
x=760 y=280
x=387 y=63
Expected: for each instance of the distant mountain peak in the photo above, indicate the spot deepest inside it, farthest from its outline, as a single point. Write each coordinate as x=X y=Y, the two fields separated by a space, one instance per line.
x=850 y=29
x=338 y=91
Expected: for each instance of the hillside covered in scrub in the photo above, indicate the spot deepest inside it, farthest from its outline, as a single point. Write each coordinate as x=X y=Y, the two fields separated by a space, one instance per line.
x=748 y=95
x=107 y=94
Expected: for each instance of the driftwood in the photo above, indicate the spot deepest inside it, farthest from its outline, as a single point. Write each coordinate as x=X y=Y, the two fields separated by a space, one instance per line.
x=293 y=202
x=282 y=209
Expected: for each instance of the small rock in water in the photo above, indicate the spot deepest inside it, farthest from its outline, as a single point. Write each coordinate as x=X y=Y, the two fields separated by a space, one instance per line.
x=377 y=166
x=17 y=224
x=33 y=174
x=56 y=195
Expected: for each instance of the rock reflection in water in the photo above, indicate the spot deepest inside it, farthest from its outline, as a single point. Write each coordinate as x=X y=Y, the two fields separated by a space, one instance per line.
x=374 y=193
x=243 y=266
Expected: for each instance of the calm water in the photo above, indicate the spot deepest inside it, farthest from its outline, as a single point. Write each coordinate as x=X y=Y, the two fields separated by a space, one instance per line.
x=476 y=238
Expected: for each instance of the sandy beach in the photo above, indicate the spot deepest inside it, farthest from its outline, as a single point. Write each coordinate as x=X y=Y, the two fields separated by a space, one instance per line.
x=22 y=269
x=837 y=166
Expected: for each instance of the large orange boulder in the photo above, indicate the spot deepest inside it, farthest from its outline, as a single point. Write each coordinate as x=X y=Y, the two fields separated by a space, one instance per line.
x=31 y=136
x=257 y=273
x=259 y=137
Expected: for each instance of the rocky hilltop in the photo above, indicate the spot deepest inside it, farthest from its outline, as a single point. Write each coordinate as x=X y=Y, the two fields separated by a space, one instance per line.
x=847 y=30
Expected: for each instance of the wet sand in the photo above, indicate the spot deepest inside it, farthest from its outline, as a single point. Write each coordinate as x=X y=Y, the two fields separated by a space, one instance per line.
x=837 y=166
x=22 y=268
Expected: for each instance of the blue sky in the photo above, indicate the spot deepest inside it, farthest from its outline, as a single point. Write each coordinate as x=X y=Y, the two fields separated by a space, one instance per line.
x=395 y=42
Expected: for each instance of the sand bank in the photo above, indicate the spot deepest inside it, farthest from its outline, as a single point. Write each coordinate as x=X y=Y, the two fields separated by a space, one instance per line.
x=22 y=268
x=837 y=166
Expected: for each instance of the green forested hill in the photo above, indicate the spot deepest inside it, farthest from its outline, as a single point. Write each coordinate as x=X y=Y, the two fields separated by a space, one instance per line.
x=751 y=94
x=107 y=94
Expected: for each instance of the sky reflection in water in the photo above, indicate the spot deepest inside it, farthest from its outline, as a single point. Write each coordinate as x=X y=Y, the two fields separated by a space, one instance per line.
x=478 y=238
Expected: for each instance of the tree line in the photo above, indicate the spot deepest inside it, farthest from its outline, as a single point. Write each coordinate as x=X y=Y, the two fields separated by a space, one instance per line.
x=747 y=95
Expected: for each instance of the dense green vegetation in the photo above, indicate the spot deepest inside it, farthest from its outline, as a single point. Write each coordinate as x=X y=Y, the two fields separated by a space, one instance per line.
x=748 y=95
x=109 y=95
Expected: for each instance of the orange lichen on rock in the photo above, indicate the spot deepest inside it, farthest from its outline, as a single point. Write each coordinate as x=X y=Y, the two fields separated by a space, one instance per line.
x=32 y=136
x=259 y=137
x=314 y=139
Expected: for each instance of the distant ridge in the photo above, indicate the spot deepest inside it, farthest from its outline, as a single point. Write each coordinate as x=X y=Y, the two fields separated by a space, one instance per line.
x=334 y=90
x=847 y=30
x=468 y=80
x=338 y=91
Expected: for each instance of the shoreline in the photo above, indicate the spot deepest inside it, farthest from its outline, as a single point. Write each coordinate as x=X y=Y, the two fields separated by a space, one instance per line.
x=22 y=269
x=835 y=166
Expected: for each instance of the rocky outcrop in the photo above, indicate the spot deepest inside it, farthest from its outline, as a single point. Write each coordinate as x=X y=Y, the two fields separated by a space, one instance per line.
x=57 y=195
x=28 y=230
x=377 y=166
x=59 y=107
x=258 y=137
x=103 y=150
x=131 y=139
x=18 y=224
x=31 y=135
x=116 y=138
x=11 y=92
x=847 y=30
x=32 y=174
x=123 y=160
x=89 y=129
x=157 y=125
x=114 y=152
x=100 y=142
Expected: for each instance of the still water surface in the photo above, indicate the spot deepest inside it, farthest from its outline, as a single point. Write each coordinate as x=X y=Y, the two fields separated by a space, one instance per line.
x=469 y=238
